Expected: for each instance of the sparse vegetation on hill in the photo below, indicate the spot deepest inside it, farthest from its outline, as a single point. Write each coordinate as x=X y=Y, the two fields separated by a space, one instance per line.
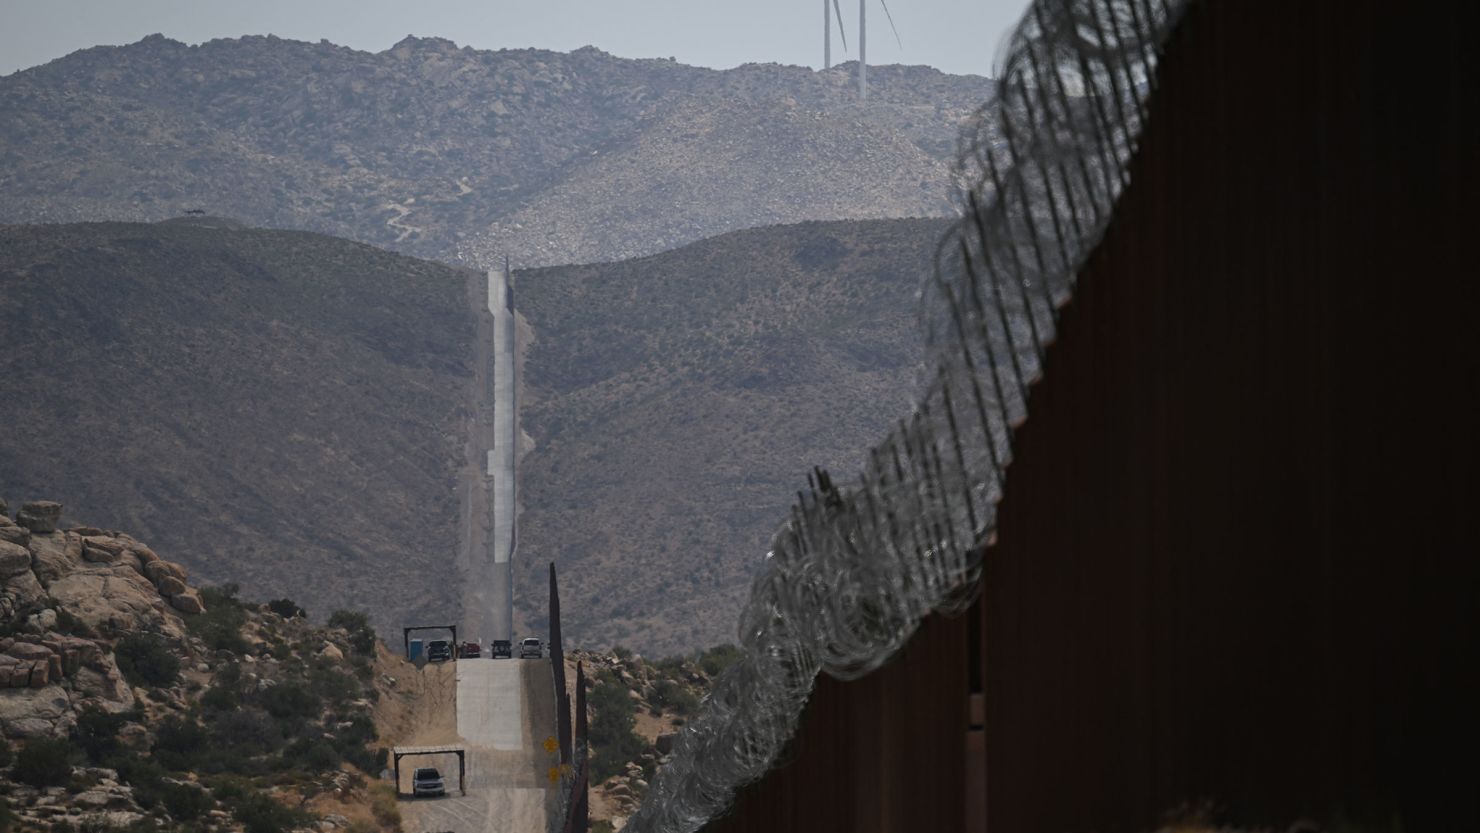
x=635 y=707
x=281 y=410
x=677 y=402
x=460 y=153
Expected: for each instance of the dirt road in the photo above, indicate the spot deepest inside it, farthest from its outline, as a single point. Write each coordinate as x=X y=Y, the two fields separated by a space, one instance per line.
x=504 y=712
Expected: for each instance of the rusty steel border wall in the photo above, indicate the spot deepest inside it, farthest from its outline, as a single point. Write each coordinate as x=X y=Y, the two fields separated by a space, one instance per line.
x=1235 y=562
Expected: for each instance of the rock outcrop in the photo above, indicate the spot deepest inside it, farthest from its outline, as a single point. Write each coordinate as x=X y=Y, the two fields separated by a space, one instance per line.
x=108 y=584
x=39 y=515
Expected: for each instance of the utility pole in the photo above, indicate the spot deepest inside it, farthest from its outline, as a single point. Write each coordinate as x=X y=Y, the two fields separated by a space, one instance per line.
x=862 y=51
x=826 y=35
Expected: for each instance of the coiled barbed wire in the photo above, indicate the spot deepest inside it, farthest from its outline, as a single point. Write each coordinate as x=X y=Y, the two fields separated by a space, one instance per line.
x=852 y=572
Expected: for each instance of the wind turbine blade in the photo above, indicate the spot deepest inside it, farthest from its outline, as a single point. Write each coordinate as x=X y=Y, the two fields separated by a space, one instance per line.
x=841 y=31
x=891 y=24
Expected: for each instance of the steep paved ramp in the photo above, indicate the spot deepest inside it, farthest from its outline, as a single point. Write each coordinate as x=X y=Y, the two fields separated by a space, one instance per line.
x=505 y=709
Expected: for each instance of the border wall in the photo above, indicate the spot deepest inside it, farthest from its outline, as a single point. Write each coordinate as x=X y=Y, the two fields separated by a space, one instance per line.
x=1236 y=560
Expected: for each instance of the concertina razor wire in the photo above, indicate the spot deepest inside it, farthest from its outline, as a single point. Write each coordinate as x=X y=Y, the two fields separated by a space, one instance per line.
x=853 y=570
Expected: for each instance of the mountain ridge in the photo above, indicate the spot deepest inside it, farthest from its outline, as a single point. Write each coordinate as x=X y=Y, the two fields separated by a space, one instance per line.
x=449 y=153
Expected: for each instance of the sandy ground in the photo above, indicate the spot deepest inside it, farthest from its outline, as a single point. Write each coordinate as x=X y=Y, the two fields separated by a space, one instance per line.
x=504 y=711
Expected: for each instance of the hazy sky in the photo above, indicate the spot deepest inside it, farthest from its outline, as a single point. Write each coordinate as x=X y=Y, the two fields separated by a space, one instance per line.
x=959 y=36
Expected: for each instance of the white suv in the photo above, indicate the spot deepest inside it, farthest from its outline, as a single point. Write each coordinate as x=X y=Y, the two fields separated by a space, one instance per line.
x=531 y=648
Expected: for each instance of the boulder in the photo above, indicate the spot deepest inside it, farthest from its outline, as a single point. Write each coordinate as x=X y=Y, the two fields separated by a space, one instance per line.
x=188 y=602
x=54 y=555
x=12 y=533
x=46 y=705
x=39 y=515
x=331 y=651
x=28 y=651
x=171 y=586
x=14 y=560
x=102 y=550
x=155 y=570
x=144 y=554
x=23 y=589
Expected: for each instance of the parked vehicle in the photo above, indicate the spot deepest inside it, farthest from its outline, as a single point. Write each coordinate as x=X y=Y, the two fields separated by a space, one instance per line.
x=502 y=648
x=531 y=648
x=470 y=650
x=439 y=650
x=427 y=781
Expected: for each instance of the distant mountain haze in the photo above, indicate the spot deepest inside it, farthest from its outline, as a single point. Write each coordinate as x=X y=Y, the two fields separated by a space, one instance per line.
x=465 y=155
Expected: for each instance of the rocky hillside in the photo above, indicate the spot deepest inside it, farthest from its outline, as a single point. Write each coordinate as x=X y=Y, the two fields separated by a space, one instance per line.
x=635 y=709
x=446 y=152
x=677 y=402
x=130 y=700
x=281 y=410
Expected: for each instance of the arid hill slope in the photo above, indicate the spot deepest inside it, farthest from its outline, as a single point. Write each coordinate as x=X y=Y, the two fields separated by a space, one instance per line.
x=280 y=409
x=677 y=402
x=457 y=153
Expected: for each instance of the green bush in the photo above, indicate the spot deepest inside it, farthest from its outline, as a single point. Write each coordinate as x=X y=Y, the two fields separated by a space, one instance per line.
x=145 y=777
x=96 y=734
x=361 y=635
x=287 y=608
x=674 y=697
x=186 y=803
x=180 y=743
x=146 y=660
x=335 y=687
x=220 y=699
x=613 y=743
x=289 y=700
x=259 y=813
x=43 y=762
x=715 y=660
x=220 y=627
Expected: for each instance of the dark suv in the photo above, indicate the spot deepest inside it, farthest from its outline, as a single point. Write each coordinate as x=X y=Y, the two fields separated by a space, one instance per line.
x=439 y=650
x=501 y=648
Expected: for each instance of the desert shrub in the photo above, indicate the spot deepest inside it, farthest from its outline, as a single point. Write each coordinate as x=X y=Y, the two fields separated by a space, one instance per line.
x=5 y=753
x=361 y=635
x=96 y=734
x=43 y=762
x=318 y=756
x=220 y=627
x=674 y=697
x=621 y=653
x=259 y=813
x=287 y=609
x=335 y=687
x=145 y=777
x=146 y=660
x=186 y=803
x=179 y=744
x=249 y=730
x=613 y=742
x=221 y=699
x=285 y=701
x=715 y=660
